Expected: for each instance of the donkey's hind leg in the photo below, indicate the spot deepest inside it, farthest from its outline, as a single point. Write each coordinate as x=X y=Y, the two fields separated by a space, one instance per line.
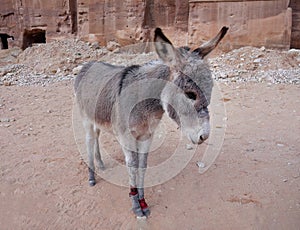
x=90 y=139
x=97 y=150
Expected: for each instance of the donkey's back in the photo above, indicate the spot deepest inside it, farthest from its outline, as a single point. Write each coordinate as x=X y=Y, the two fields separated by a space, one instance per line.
x=96 y=87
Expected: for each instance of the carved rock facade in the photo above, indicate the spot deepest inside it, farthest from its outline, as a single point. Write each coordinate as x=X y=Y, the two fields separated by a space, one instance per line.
x=270 y=23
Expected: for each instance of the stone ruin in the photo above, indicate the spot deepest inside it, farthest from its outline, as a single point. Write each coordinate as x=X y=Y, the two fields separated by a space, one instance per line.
x=269 y=23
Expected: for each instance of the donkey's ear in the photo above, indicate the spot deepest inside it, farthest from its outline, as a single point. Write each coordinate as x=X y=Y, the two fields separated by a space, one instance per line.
x=164 y=48
x=207 y=47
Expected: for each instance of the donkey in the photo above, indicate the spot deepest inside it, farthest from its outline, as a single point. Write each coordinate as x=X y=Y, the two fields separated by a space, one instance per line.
x=130 y=102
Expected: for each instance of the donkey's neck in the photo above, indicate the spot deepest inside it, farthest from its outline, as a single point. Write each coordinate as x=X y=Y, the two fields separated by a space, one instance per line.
x=148 y=72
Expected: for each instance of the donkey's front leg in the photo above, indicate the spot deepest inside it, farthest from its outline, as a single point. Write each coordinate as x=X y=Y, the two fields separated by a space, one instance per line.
x=140 y=181
x=132 y=161
x=143 y=148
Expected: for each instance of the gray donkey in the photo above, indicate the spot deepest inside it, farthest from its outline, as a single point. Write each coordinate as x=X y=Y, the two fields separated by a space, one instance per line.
x=130 y=102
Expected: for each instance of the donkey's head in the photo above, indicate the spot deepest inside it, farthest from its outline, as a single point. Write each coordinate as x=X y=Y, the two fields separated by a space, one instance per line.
x=187 y=98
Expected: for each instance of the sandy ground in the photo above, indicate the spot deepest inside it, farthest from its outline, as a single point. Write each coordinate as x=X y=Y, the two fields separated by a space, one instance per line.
x=253 y=184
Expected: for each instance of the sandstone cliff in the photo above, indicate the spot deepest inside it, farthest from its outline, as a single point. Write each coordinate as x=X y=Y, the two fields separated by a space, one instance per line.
x=270 y=23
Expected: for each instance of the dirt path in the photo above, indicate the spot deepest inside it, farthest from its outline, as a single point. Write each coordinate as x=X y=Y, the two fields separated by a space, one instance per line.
x=254 y=183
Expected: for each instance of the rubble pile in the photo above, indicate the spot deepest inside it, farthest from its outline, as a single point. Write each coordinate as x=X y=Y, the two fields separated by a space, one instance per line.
x=250 y=64
x=50 y=62
x=61 y=60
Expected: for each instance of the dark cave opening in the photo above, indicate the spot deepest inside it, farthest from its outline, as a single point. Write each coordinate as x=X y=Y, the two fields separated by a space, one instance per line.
x=4 y=42
x=33 y=36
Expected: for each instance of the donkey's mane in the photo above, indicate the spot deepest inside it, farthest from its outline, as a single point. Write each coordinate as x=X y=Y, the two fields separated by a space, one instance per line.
x=130 y=70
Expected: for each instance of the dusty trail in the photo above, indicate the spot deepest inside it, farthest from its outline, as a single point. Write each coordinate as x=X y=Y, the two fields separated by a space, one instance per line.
x=254 y=183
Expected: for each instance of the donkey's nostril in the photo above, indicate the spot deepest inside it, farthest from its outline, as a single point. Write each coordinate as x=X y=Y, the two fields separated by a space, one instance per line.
x=203 y=137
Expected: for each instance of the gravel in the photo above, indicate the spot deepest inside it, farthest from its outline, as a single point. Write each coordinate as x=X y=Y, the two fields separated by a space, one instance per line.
x=250 y=64
x=45 y=64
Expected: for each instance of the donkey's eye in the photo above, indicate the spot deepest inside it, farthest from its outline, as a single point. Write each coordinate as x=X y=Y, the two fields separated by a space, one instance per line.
x=191 y=95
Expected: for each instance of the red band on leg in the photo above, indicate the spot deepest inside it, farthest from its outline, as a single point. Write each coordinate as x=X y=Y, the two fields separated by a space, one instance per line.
x=143 y=203
x=133 y=191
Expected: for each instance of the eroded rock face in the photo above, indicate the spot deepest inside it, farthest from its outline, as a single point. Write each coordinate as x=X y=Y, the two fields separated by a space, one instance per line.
x=256 y=23
x=35 y=21
x=133 y=21
x=270 y=23
x=295 y=40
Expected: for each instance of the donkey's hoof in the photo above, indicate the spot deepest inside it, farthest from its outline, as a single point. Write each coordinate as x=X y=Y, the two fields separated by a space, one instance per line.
x=146 y=212
x=92 y=182
x=138 y=212
x=144 y=207
x=136 y=208
x=141 y=217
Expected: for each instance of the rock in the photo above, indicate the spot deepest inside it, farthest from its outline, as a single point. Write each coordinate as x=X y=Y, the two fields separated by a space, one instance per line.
x=95 y=45
x=257 y=60
x=200 y=164
x=189 y=147
x=112 y=45
x=263 y=48
x=7 y=83
x=294 y=51
x=77 y=69
x=4 y=120
x=232 y=74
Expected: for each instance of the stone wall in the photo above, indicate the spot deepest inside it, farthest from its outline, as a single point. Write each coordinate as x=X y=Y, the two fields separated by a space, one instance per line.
x=255 y=23
x=22 y=17
x=133 y=20
x=9 y=18
x=115 y=20
x=295 y=40
x=270 y=23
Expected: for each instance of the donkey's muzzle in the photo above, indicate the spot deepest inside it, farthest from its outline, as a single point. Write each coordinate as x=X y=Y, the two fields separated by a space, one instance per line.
x=203 y=137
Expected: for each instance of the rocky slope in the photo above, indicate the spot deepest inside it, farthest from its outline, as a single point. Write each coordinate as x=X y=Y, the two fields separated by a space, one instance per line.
x=62 y=60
